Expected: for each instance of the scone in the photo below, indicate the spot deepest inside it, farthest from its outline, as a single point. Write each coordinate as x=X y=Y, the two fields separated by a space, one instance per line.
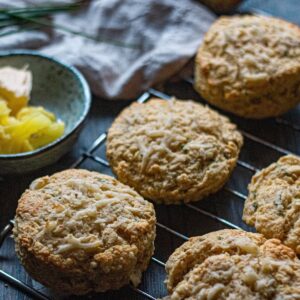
x=250 y=66
x=173 y=151
x=79 y=231
x=273 y=203
x=221 y=6
x=233 y=265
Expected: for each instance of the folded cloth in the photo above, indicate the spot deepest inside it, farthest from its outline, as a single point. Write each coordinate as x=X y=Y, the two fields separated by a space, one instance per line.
x=160 y=37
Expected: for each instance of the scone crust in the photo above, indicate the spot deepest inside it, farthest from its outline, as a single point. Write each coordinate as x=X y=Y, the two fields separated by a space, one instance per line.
x=173 y=151
x=273 y=203
x=233 y=264
x=79 y=231
x=250 y=66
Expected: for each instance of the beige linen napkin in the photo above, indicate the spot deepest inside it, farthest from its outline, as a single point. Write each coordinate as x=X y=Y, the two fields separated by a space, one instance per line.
x=165 y=35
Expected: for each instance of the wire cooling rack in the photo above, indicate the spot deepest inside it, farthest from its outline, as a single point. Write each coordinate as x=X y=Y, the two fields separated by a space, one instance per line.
x=91 y=154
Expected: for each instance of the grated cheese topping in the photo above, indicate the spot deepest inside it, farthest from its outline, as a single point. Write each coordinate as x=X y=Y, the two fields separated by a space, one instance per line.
x=86 y=212
x=150 y=146
x=233 y=264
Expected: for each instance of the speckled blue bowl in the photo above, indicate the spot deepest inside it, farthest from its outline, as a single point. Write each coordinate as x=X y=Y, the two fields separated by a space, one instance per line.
x=62 y=90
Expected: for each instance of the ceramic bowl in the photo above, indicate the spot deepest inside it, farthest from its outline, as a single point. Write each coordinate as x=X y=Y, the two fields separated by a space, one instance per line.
x=62 y=90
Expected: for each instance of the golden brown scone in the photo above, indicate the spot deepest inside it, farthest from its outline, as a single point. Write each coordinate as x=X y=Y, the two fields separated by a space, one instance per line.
x=221 y=6
x=250 y=66
x=273 y=203
x=233 y=265
x=79 y=231
x=173 y=151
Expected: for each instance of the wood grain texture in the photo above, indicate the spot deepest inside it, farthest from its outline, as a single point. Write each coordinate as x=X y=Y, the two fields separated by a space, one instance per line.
x=180 y=218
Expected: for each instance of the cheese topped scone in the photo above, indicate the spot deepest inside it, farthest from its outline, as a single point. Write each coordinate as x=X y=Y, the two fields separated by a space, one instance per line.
x=233 y=265
x=79 y=231
x=273 y=203
x=250 y=66
x=173 y=151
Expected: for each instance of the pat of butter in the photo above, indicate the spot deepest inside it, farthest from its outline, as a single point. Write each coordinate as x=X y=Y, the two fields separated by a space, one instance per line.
x=15 y=87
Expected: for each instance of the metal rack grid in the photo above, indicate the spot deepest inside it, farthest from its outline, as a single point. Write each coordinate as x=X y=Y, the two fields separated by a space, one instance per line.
x=90 y=154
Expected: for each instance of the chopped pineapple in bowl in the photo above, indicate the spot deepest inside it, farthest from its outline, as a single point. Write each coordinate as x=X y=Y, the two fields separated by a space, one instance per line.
x=43 y=104
x=31 y=128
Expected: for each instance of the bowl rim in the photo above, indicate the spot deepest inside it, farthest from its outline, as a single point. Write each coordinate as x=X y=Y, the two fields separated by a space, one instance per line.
x=87 y=97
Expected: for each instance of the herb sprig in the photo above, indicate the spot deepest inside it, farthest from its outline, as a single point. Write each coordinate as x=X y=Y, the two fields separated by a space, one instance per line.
x=37 y=16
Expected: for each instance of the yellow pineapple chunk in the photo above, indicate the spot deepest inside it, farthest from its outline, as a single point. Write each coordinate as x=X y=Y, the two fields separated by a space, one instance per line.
x=4 y=112
x=23 y=128
x=47 y=135
x=31 y=128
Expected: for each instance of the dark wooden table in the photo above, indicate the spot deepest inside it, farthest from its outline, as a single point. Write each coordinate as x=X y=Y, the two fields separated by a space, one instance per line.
x=180 y=218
